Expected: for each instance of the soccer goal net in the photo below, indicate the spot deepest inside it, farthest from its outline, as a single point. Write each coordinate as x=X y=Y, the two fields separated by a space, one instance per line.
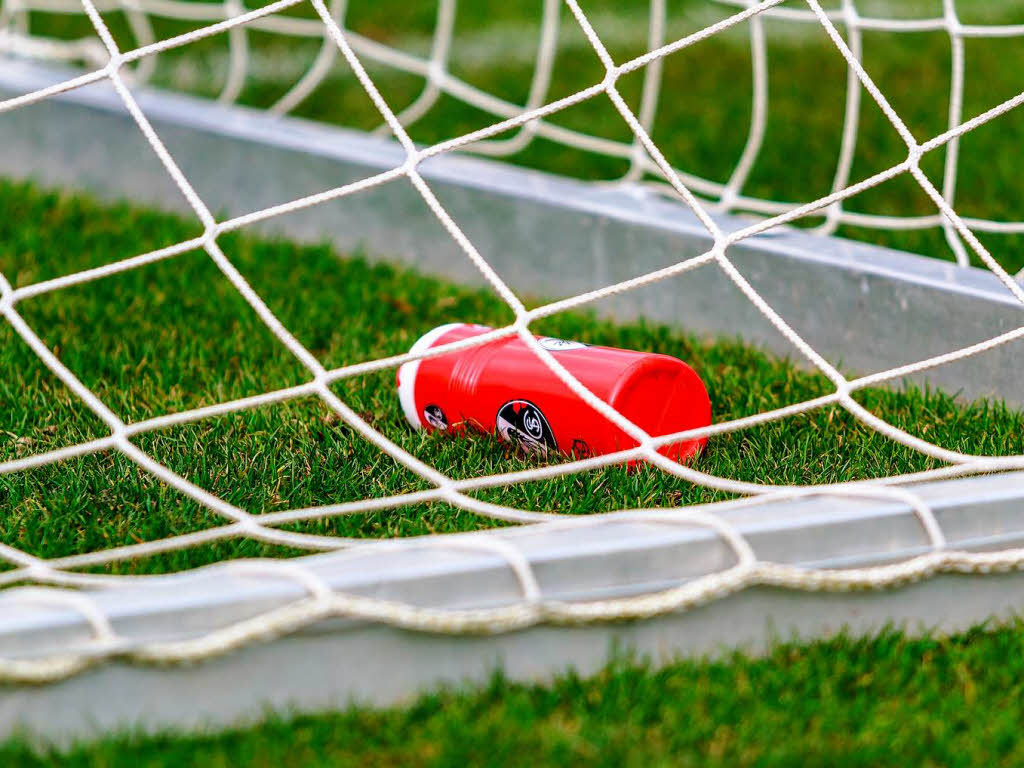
x=696 y=172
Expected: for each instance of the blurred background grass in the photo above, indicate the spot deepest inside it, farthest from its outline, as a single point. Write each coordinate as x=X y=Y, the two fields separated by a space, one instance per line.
x=704 y=108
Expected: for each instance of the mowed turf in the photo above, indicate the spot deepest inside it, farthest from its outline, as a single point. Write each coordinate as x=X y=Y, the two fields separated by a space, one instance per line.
x=176 y=335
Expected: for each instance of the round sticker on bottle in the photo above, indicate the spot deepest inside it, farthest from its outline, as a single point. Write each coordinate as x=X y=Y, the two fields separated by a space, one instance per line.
x=559 y=345
x=522 y=423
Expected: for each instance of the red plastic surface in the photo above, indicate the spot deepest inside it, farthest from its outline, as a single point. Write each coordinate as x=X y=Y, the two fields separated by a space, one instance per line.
x=504 y=387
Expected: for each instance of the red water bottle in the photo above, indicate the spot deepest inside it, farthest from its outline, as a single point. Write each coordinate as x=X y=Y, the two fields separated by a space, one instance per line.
x=502 y=387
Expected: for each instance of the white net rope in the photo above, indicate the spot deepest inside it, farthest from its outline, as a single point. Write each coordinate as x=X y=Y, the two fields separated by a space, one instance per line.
x=59 y=580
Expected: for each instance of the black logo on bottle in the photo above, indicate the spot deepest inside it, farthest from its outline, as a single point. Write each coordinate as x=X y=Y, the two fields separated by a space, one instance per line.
x=522 y=423
x=435 y=417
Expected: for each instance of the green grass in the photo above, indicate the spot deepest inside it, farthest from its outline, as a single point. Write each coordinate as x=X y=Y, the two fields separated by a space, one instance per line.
x=884 y=701
x=175 y=335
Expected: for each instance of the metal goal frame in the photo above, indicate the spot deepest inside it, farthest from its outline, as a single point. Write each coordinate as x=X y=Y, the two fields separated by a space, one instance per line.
x=244 y=160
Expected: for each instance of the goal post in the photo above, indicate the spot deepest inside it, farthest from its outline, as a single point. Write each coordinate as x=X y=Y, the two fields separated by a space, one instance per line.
x=378 y=621
x=218 y=646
